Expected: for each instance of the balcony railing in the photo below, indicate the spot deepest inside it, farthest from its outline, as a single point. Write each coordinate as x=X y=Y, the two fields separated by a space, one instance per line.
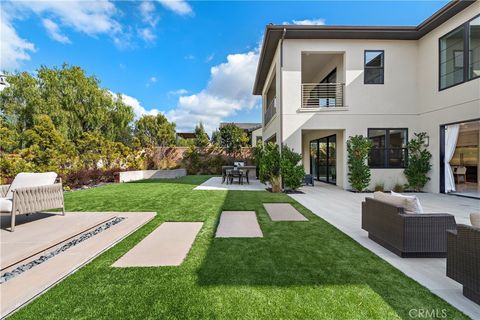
x=322 y=95
x=270 y=111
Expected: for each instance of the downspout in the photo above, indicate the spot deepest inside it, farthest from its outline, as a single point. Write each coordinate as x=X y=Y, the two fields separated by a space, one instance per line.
x=281 y=95
x=281 y=89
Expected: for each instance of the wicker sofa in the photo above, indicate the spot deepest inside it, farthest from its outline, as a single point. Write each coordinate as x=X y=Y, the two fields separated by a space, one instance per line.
x=407 y=235
x=463 y=259
x=30 y=193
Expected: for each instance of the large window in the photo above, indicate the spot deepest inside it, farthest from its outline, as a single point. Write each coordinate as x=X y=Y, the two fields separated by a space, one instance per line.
x=474 y=48
x=389 y=148
x=374 y=67
x=460 y=54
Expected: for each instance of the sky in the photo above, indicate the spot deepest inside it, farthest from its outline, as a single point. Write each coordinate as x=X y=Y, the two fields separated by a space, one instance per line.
x=193 y=61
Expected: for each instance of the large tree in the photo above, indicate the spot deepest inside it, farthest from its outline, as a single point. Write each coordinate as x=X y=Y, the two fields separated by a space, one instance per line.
x=74 y=101
x=232 y=138
x=201 y=137
x=155 y=131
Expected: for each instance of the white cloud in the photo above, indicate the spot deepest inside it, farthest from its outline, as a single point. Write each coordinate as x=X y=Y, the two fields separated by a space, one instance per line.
x=177 y=92
x=137 y=107
x=90 y=17
x=147 y=35
x=151 y=81
x=54 y=31
x=307 y=22
x=228 y=92
x=147 y=10
x=189 y=57
x=14 y=49
x=210 y=57
x=180 y=7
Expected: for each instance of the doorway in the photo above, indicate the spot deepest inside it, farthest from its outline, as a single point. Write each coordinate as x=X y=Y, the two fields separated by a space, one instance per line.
x=323 y=159
x=460 y=158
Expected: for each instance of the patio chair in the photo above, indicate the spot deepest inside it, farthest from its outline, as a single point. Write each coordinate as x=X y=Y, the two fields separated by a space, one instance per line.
x=30 y=193
x=463 y=259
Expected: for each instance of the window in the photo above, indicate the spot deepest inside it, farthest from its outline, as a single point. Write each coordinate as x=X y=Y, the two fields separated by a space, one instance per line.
x=389 y=148
x=459 y=54
x=374 y=67
x=474 y=49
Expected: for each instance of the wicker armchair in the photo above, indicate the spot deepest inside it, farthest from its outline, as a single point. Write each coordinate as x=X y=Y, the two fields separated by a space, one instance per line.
x=406 y=235
x=34 y=199
x=463 y=259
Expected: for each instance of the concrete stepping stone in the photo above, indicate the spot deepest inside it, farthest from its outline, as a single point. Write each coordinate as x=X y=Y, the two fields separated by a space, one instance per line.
x=238 y=224
x=283 y=212
x=168 y=245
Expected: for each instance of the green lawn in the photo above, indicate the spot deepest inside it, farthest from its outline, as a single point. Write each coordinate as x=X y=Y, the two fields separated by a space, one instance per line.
x=298 y=270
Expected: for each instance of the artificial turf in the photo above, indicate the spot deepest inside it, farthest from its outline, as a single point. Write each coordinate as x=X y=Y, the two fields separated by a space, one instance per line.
x=298 y=270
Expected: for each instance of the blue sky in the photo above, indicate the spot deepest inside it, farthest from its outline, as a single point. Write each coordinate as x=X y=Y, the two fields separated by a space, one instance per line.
x=193 y=61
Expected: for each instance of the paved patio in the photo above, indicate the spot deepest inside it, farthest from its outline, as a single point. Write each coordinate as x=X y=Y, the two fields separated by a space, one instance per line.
x=343 y=210
x=37 y=248
x=215 y=183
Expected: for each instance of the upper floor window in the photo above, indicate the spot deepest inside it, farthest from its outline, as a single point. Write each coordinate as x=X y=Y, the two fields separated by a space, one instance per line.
x=459 y=54
x=374 y=67
x=389 y=148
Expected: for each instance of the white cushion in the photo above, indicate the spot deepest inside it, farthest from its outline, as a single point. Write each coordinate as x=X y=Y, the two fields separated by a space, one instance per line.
x=387 y=198
x=417 y=207
x=6 y=205
x=28 y=179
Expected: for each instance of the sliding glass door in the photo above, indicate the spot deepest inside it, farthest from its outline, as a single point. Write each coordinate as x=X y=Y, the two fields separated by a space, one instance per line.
x=323 y=159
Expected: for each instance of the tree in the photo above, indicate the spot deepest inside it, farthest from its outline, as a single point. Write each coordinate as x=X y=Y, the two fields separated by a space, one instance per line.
x=270 y=166
x=418 y=162
x=74 y=102
x=291 y=169
x=201 y=137
x=232 y=138
x=46 y=147
x=155 y=131
x=358 y=148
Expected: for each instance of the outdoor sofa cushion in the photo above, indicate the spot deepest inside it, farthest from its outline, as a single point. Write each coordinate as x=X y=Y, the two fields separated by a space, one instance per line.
x=407 y=204
x=6 y=205
x=418 y=206
x=29 y=179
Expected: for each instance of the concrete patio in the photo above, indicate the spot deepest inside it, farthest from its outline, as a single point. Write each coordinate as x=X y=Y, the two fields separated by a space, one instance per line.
x=47 y=247
x=343 y=210
x=215 y=183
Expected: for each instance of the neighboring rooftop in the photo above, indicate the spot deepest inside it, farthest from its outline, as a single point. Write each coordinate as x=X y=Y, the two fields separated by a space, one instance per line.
x=274 y=33
x=186 y=135
x=247 y=126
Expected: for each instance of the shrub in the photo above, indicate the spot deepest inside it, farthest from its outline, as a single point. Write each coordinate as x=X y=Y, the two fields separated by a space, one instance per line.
x=398 y=187
x=358 y=148
x=418 y=162
x=292 y=172
x=270 y=166
x=207 y=160
x=380 y=186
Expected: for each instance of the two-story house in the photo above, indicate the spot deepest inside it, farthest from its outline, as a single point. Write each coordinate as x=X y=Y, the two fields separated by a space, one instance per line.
x=323 y=84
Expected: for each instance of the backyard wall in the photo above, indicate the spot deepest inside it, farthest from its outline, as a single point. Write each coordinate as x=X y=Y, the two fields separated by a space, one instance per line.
x=127 y=176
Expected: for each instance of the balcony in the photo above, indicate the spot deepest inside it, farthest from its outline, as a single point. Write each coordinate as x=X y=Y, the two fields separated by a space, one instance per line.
x=270 y=111
x=322 y=95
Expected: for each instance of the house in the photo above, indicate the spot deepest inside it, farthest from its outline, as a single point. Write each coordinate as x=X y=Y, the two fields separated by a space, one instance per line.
x=186 y=135
x=323 y=84
x=248 y=128
x=256 y=136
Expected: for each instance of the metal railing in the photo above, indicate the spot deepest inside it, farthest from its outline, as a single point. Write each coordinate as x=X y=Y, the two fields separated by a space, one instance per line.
x=322 y=95
x=270 y=111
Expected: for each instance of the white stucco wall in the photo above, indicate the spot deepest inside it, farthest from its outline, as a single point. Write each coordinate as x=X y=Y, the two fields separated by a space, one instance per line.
x=409 y=97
